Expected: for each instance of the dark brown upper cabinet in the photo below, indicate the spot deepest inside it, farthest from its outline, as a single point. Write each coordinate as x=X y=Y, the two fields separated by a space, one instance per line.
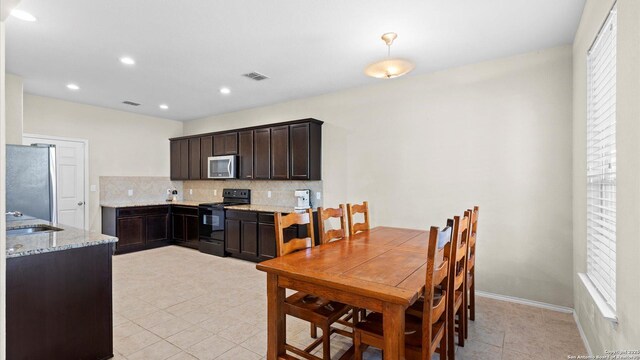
x=245 y=152
x=284 y=151
x=194 y=158
x=225 y=144
x=262 y=154
x=206 y=150
x=280 y=152
x=304 y=149
x=180 y=159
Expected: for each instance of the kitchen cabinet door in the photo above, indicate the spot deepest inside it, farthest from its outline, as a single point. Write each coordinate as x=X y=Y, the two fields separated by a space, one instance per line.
x=305 y=151
x=232 y=236
x=250 y=238
x=262 y=154
x=177 y=227
x=245 y=152
x=280 y=152
x=206 y=150
x=191 y=229
x=157 y=228
x=194 y=158
x=131 y=231
x=184 y=159
x=225 y=144
x=175 y=159
x=266 y=241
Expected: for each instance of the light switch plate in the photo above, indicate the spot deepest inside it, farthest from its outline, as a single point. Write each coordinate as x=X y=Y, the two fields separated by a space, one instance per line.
x=318 y=195
x=268 y=194
x=215 y=192
x=93 y=188
x=130 y=192
x=190 y=191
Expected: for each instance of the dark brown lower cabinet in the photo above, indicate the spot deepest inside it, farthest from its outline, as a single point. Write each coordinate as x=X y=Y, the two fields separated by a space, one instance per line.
x=137 y=228
x=59 y=304
x=184 y=224
x=251 y=235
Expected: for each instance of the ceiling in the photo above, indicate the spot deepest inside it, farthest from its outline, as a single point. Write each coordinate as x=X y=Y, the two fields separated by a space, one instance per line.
x=185 y=51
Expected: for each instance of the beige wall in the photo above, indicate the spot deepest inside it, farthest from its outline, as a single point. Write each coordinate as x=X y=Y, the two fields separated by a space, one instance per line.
x=603 y=335
x=13 y=108
x=120 y=143
x=421 y=149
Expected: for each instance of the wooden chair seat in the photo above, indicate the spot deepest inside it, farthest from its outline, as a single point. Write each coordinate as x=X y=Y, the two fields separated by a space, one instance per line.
x=373 y=325
x=308 y=306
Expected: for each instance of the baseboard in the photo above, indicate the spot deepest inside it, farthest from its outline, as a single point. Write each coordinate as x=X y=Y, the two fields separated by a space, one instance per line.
x=542 y=305
x=518 y=300
x=582 y=334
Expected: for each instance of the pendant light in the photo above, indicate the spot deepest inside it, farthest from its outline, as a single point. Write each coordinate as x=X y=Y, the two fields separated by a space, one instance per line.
x=389 y=68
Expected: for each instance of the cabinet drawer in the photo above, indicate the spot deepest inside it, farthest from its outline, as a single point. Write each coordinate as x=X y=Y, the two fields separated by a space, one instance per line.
x=242 y=215
x=143 y=210
x=265 y=218
x=184 y=210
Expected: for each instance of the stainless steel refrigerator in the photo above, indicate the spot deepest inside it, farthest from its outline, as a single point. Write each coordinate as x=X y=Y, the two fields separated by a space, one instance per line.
x=31 y=180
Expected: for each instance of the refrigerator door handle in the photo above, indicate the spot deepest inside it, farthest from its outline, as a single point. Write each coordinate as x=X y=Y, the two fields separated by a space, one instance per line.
x=53 y=193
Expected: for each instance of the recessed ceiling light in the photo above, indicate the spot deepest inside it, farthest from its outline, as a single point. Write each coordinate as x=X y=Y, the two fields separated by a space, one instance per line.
x=225 y=90
x=73 y=87
x=164 y=106
x=127 y=60
x=22 y=15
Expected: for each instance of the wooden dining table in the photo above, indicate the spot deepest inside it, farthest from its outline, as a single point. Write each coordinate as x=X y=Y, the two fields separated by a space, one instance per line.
x=382 y=270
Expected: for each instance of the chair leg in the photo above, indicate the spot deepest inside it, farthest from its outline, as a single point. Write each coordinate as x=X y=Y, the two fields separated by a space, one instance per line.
x=461 y=315
x=357 y=345
x=314 y=331
x=451 y=326
x=472 y=299
x=326 y=342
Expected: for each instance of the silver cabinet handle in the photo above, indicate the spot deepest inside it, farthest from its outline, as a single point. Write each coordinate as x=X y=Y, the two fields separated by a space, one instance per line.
x=80 y=203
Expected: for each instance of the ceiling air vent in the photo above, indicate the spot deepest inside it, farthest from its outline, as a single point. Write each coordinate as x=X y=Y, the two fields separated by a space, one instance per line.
x=256 y=76
x=130 y=103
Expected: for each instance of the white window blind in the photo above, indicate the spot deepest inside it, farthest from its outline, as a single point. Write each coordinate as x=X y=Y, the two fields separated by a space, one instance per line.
x=601 y=161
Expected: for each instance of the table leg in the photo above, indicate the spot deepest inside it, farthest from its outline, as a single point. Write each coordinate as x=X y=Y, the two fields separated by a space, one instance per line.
x=276 y=322
x=393 y=329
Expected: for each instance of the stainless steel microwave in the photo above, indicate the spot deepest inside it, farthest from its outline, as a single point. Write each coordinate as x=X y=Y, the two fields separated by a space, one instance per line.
x=222 y=167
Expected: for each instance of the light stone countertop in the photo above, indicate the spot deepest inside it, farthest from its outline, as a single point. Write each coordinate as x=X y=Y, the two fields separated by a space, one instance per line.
x=135 y=203
x=263 y=208
x=38 y=243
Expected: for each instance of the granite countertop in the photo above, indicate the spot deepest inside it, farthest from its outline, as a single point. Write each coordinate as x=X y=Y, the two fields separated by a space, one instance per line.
x=135 y=203
x=38 y=243
x=264 y=208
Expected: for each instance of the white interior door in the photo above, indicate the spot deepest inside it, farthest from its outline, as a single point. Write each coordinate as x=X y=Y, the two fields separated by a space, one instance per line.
x=70 y=166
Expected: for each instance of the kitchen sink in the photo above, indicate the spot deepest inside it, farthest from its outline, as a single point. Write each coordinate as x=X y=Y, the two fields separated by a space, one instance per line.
x=34 y=229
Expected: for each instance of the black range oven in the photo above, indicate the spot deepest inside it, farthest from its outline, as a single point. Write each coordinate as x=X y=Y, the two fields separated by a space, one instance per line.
x=212 y=222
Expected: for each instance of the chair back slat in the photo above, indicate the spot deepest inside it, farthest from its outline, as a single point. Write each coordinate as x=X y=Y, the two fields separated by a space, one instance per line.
x=353 y=209
x=327 y=235
x=296 y=244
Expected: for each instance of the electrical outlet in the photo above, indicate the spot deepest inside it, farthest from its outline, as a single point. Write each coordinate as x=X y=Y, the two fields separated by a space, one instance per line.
x=190 y=191
x=318 y=195
x=268 y=194
x=215 y=192
x=130 y=192
x=93 y=188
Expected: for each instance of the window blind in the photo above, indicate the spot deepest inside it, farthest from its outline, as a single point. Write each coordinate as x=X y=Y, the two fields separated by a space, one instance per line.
x=601 y=161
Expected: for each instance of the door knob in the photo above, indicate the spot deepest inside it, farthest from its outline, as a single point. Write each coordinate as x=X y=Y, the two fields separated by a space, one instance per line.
x=80 y=203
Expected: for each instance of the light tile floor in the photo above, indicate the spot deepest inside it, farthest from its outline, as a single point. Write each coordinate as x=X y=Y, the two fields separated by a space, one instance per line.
x=177 y=303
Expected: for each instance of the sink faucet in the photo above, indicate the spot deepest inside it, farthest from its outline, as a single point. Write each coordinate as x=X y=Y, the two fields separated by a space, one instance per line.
x=14 y=213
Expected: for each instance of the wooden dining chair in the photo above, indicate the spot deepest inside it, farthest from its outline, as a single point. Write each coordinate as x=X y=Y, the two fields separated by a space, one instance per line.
x=353 y=209
x=471 y=267
x=426 y=333
x=328 y=235
x=319 y=312
x=457 y=283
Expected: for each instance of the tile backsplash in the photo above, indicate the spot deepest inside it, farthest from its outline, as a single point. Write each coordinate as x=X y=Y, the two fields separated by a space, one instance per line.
x=152 y=188
x=144 y=188
x=281 y=191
